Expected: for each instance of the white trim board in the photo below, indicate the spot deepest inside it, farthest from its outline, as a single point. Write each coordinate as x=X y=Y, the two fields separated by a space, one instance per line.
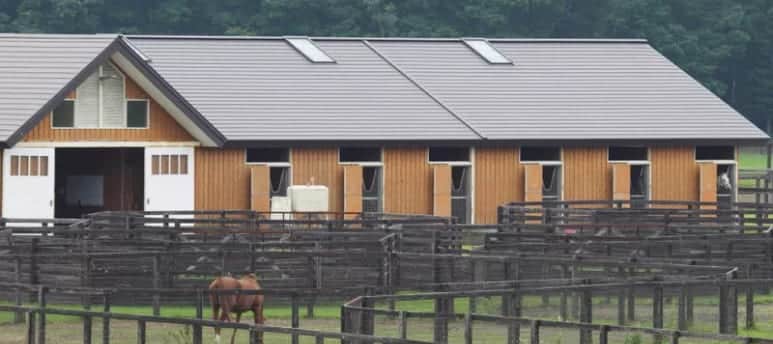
x=156 y=94
x=107 y=144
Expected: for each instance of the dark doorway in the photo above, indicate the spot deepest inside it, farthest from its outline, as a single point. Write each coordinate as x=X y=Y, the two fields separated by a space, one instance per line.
x=88 y=180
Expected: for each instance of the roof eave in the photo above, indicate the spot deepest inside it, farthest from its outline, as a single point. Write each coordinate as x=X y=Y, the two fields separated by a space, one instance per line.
x=119 y=46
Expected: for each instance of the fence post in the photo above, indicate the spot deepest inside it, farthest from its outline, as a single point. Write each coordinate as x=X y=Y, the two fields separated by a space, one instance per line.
x=682 y=309
x=156 y=285
x=18 y=316
x=140 y=332
x=675 y=337
x=514 y=310
x=87 y=329
x=31 y=327
x=604 y=334
x=732 y=309
x=621 y=306
x=750 y=307
x=403 y=325
x=467 y=327
x=631 y=291
x=106 y=320
x=42 y=316
x=295 y=320
x=534 y=338
x=657 y=311
x=441 y=320
x=197 y=332
x=586 y=316
x=723 y=308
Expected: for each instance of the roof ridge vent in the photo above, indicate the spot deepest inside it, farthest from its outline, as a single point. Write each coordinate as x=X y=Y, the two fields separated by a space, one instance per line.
x=486 y=51
x=310 y=50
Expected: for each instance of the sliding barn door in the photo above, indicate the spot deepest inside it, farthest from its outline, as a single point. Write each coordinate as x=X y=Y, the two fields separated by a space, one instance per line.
x=621 y=182
x=28 y=183
x=441 y=195
x=169 y=183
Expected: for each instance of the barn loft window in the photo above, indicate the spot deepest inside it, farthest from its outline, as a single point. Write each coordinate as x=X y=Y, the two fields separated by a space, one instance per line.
x=628 y=154
x=359 y=154
x=449 y=154
x=137 y=113
x=268 y=155
x=64 y=114
x=539 y=154
x=715 y=153
x=310 y=50
x=101 y=102
x=485 y=50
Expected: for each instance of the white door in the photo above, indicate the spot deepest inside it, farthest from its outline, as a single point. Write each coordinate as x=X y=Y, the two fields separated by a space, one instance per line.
x=28 y=183
x=169 y=179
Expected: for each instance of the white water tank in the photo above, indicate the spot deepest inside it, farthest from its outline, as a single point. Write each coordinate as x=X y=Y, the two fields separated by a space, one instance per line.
x=308 y=198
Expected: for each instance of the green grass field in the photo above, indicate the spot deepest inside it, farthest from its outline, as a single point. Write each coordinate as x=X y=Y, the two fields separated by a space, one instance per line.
x=752 y=160
x=66 y=330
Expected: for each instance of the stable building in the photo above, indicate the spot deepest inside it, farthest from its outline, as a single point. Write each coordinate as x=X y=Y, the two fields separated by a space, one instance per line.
x=425 y=126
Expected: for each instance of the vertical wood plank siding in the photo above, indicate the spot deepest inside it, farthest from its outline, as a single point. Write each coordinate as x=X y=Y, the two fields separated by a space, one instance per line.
x=322 y=165
x=674 y=173
x=407 y=181
x=498 y=179
x=161 y=126
x=222 y=179
x=587 y=174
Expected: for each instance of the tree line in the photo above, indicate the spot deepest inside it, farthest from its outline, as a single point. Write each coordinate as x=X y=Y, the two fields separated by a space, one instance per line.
x=725 y=44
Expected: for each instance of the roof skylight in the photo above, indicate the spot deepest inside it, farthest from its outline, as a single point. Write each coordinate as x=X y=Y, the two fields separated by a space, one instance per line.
x=482 y=47
x=310 y=50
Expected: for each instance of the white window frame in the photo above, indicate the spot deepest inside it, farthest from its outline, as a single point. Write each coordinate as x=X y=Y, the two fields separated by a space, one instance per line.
x=126 y=112
x=101 y=103
x=74 y=112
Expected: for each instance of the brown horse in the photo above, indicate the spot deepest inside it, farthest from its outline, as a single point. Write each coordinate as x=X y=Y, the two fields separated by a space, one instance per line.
x=235 y=303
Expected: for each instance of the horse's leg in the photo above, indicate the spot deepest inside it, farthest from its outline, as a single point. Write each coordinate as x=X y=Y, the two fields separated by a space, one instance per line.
x=215 y=316
x=257 y=312
x=238 y=319
x=225 y=315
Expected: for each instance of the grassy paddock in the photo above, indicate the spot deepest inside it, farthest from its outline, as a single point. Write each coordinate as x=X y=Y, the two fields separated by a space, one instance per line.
x=66 y=330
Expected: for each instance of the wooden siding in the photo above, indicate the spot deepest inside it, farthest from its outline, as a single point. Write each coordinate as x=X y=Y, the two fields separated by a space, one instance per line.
x=407 y=181
x=498 y=180
x=587 y=174
x=161 y=126
x=222 y=179
x=674 y=173
x=320 y=164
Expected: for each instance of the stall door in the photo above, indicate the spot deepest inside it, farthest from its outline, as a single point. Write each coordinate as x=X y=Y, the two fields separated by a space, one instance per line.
x=28 y=183
x=169 y=179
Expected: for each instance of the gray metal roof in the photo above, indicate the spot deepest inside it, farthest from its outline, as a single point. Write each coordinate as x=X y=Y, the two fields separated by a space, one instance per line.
x=418 y=89
x=612 y=90
x=34 y=67
x=265 y=90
